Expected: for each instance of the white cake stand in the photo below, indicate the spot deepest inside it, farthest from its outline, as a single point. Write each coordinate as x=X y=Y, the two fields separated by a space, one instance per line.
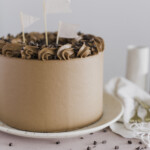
x=113 y=110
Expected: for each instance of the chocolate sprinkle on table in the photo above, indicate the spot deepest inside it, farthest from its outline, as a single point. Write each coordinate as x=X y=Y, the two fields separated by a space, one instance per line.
x=129 y=142
x=94 y=143
x=104 y=130
x=58 y=142
x=138 y=148
x=104 y=142
x=10 y=144
x=81 y=137
x=89 y=148
x=116 y=147
x=140 y=142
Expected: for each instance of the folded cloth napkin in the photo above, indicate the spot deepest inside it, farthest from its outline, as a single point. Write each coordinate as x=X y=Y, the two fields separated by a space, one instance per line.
x=127 y=92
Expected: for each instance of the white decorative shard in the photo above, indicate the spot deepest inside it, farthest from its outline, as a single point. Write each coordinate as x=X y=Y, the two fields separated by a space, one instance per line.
x=28 y=20
x=67 y=30
x=58 y=6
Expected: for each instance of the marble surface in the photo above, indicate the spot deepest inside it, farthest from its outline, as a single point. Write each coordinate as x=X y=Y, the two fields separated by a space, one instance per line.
x=112 y=140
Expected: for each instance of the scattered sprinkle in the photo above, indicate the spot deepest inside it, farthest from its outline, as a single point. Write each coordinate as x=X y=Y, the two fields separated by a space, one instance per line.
x=104 y=130
x=129 y=142
x=104 y=142
x=10 y=144
x=58 y=142
x=140 y=142
x=94 y=143
x=141 y=148
x=88 y=148
x=94 y=146
x=138 y=148
x=116 y=147
x=91 y=133
x=81 y=137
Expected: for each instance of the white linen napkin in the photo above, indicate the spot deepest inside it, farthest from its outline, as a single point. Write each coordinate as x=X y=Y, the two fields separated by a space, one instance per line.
x=126 y=91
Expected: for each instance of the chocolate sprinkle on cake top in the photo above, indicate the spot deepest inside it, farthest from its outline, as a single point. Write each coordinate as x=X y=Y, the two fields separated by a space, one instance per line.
x=83 y=46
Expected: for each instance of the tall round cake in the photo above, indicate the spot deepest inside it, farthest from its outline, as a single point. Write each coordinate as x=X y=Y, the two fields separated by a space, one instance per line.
x=51 y=88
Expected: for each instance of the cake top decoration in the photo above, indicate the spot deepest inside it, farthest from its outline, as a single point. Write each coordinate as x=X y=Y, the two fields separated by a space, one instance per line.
x=68 y=48
x=53 y=7
x=65 y=44
x=26 y=21
x=66 y=30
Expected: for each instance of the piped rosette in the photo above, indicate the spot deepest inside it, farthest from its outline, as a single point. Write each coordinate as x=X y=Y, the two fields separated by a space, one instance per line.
x=99 y=43
x=65 y=52
x=84 y=51
x=46 y=53
x=16 y=40
x=12 y=49
x=34 y=37
x=29 y=52
x=2 y=43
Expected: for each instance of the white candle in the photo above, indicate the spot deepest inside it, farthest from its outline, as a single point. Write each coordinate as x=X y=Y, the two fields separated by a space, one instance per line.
x=138 y=65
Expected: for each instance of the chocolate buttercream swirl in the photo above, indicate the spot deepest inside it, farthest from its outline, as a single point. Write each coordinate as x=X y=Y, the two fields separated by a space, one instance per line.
x=77 y=39
x=10 y=37
x=29 y=52
x=99 y=43
x=46 y=53
x=51 y=37
x=65 y=52
x=16 y=40
x=34 y=37
x=84 y=51
x=2 y=43
x=12 y=50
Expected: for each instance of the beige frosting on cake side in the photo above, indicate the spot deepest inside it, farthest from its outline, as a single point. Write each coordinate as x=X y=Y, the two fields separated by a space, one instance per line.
x=50 y=96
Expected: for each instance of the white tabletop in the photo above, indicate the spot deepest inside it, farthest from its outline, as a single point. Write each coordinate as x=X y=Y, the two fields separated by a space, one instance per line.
x=112 y=140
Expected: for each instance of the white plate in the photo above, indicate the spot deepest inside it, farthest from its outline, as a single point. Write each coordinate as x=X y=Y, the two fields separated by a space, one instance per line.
x=112 y=112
